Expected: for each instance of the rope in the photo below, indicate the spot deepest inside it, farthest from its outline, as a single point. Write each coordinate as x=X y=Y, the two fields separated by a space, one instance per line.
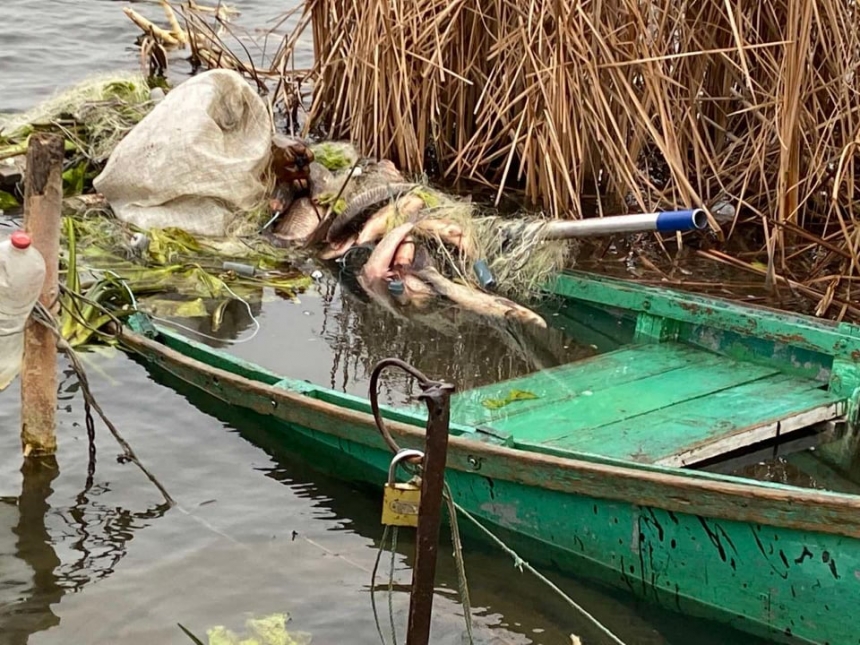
x=462 y=583
x=391 y=585
x=44 y=317
x=521 y=564
x=373 y=586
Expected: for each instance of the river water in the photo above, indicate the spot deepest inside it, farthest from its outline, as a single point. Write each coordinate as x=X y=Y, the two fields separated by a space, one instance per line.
x=256 y=530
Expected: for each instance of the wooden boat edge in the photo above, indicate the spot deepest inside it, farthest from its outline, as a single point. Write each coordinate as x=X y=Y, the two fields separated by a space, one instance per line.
x=704 y=494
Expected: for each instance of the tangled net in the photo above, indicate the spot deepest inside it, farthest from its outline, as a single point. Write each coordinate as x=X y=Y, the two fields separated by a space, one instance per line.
x=93 y=115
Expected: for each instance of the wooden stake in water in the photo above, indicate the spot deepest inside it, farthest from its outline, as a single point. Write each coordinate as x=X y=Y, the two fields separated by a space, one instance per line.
x=43 y=198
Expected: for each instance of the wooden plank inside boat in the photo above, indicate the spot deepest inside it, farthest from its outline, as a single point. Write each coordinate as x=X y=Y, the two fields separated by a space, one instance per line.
x=668 y=404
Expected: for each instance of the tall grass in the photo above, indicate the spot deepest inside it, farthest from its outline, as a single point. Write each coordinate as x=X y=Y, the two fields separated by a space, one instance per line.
x=644 y=104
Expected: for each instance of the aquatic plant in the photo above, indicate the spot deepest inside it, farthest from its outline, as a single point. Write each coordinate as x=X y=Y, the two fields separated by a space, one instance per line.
x=174 y=274
x=268 y=630
x=93 y=117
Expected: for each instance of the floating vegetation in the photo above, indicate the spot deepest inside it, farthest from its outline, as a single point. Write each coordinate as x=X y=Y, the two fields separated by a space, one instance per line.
x=174 y=275
x=93 y=117
x=269 y=630
x=512 y=397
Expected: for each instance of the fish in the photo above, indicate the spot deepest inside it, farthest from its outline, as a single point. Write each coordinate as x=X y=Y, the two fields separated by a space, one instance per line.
x=405 y=253
x=301 y=212
x=359 y=202
x=300 y=220
x=333 y=251
x=449 y=232
x=478 y=301
x=374 y=229
x=378 y=265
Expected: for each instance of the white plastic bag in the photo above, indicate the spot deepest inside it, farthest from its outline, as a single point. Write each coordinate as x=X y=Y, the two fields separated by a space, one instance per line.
x=195 y=161
x=22 y=274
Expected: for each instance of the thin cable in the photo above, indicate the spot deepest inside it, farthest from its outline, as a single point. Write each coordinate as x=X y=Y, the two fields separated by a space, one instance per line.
x=373 y=585
x=231 y=341
x=462 y=582
x=44 y=317
x=521 y=564
x=391 y=586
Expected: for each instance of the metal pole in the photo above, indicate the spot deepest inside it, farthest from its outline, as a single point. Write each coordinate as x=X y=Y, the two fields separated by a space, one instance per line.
x=437 y=398
x=664 y=222
x=43 y=198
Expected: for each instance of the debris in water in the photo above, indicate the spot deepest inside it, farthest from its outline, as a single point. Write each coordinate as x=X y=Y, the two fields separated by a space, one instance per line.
x=269 y=630
x=513 y=396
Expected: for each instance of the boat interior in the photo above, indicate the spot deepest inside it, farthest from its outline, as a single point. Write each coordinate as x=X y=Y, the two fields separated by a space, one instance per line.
x=682 y=381
x=675 y=380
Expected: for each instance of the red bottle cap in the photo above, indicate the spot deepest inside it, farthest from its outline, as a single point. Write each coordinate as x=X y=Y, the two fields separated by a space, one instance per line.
x=20 y=240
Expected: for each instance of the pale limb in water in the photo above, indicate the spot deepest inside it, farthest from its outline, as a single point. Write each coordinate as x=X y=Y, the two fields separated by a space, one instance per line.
x=333 y=251
x=449 y=232
x=361 y=202
x=405 y=253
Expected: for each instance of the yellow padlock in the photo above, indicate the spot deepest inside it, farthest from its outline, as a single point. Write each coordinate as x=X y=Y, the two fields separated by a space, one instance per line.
x=401 y=502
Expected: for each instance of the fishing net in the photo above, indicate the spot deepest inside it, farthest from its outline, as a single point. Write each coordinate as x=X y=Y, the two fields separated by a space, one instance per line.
x=94 y=115
x=518 y=258
x=519 y=264
x=198 y=161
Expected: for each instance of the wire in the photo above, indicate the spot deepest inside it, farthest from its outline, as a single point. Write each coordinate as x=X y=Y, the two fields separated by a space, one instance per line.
x=230 y=341
x=373 y=584
x=462 y=582
x=46 y=318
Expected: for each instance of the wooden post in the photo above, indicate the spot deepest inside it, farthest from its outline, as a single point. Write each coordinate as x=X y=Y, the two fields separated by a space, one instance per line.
x=43 y=199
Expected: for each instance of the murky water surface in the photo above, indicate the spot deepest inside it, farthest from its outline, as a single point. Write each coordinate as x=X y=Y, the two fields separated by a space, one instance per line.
x=98 y=560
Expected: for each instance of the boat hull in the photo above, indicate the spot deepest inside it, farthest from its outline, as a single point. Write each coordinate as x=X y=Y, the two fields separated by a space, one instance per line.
x=717 y=552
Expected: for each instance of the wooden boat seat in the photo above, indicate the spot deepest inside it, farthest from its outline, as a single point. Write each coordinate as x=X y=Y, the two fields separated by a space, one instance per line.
x=660 y=403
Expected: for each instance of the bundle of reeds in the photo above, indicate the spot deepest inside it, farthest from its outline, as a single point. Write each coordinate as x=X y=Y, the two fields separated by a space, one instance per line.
x=745 y=107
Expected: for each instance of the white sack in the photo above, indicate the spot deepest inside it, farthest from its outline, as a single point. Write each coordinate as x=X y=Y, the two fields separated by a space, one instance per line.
x=195 y=161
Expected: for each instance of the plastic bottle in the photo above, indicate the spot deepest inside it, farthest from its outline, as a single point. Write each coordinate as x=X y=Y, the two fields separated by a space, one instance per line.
x=22 y=274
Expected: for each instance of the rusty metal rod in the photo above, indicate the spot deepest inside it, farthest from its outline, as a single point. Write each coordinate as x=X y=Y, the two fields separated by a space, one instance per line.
x=437 y=398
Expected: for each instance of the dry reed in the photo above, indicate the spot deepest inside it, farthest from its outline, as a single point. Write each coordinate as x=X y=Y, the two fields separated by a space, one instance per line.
x=668 y=103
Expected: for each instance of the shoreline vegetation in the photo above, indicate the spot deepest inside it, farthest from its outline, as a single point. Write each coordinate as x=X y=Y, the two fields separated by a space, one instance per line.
x=580 y=109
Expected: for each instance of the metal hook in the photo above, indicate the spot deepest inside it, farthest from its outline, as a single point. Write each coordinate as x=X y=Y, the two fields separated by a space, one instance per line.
x=427 y=386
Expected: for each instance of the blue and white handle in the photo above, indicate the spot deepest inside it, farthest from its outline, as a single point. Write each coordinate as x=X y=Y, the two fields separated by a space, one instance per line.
x=665 y=222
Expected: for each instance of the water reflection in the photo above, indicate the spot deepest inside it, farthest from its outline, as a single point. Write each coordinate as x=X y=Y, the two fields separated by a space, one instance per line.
x=333 y=335
x=33 y=589
x=93 y=536
x=460 y=346
x=515 y=611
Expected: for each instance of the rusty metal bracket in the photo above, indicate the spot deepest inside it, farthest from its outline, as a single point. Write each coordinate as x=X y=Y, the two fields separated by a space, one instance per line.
x=437 y=396
x=427 y=385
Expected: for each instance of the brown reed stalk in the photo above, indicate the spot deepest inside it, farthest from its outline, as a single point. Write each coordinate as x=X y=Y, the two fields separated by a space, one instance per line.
x=663 y=104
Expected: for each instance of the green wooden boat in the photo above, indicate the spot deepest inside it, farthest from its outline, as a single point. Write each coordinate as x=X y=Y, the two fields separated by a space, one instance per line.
x=597 y=475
